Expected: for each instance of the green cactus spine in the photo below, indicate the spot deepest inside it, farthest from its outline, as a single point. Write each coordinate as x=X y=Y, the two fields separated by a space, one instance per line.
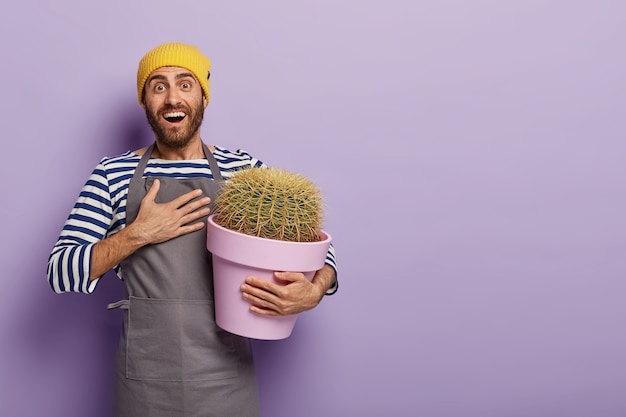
x=271 y=203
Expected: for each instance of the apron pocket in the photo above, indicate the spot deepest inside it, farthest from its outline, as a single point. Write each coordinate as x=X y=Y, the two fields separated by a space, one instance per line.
x=177 y=340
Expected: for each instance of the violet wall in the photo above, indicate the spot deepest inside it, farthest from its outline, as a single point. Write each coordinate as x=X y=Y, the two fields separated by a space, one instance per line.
x=471 y=154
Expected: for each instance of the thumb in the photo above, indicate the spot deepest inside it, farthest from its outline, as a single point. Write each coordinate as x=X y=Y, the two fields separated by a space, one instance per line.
x=287 y=276
x=153 y=191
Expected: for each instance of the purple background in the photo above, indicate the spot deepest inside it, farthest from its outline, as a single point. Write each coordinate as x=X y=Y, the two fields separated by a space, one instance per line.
x=472 y=158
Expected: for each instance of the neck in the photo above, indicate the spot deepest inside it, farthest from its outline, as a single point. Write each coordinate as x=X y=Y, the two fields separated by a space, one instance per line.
x=193 y=150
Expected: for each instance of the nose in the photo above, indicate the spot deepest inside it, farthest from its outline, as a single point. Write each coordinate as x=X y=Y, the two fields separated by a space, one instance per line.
x=173 y=96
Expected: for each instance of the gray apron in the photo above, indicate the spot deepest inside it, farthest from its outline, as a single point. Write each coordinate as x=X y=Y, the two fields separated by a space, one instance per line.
x=173 y=360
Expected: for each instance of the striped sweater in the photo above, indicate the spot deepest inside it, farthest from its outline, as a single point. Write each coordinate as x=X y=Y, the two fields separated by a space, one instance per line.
x=100 y=211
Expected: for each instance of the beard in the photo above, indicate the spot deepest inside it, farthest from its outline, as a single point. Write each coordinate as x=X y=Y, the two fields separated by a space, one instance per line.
x=176 y=136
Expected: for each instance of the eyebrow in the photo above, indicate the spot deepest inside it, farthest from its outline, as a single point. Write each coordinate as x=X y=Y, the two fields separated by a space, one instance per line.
x=164 y=78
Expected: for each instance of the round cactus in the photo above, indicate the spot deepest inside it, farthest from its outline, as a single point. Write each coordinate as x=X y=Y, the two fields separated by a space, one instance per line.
x=270 y=203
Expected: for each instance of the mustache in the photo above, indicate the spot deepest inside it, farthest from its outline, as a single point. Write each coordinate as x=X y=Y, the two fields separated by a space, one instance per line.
x=169 y=107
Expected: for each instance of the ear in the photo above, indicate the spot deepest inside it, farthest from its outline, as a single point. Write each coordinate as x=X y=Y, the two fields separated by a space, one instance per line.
x=142 y=103
x=205 y=101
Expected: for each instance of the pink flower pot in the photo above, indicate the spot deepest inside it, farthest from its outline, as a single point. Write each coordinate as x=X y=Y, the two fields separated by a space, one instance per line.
x=236 y=256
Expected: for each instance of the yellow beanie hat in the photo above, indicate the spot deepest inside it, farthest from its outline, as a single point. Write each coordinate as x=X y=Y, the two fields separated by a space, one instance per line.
x=174 y=54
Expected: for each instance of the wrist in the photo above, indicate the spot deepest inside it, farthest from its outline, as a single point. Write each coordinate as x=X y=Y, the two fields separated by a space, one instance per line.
x=323 y=280
x=134 y=237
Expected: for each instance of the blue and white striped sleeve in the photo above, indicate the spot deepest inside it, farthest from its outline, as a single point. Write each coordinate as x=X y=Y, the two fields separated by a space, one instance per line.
x=332 y=262
x=69 y=264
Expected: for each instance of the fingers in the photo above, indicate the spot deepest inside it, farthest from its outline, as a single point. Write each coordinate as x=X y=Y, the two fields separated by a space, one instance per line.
x=260 y=292
x=182 y=230
x=192 y=206
x=192 y=212
x=294 y=295
x=164 y=221
x=263 y=306
x=262 y=285
x=186 y=198
x=269 y=298
x=190 y=209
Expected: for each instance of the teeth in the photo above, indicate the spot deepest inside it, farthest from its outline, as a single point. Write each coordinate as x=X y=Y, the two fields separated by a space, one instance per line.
x=175 y=114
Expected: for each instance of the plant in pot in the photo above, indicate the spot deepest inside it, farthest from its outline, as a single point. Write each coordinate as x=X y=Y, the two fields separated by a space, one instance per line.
x=264 y=220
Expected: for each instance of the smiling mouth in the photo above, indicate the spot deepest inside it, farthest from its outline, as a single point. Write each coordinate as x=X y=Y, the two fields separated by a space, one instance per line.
x=175 y=116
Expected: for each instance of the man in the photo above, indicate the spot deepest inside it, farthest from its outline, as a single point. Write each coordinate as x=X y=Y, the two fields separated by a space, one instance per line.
x=143 y=214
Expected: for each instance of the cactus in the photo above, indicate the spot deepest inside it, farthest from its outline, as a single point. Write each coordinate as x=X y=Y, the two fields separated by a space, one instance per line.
x=271 y=203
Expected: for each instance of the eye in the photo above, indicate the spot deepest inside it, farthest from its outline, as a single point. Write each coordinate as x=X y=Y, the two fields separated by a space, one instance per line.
x=186 y=85
x=159 y=88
